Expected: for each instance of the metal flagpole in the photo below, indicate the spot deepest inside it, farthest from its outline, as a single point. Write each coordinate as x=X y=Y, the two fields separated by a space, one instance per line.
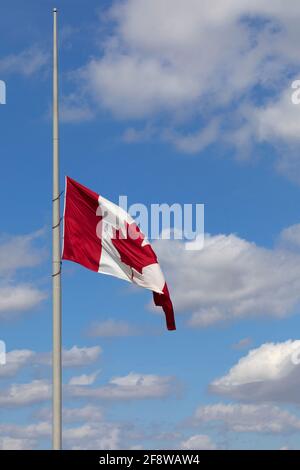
x=56 y=260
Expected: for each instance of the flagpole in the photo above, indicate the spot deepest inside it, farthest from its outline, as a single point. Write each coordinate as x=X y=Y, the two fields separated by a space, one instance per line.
x=56 y=261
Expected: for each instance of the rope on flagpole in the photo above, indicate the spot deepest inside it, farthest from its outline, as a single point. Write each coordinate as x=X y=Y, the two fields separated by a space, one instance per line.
x=59 y=272
x=57 y=225
x=58 y=197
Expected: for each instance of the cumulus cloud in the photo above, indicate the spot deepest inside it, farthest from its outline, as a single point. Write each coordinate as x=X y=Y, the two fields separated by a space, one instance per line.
x=85 y=379
x=15 y=299
x=76 y=356
x=198 y=442
x=15 y=361
x=103 y=436
x=92 y=431
x=19 y=252
x=164 y=71
x=73 y=357
x=112 y=328
x=18 y=359
x=10 y=443
x=261 y=418
x=270 y=124
x=242 y=343
x=31 y=431
x=277 y=122
x=88 y=413
x=74 y=108
x=269 y=373
x=132 y=134
x=129 y=387
x=25 y=394
x=194 y=142
x=290 y=237
x=95 y=433
x=26 y=63
x=230 y=279
x=161 y=62
x=12 y=436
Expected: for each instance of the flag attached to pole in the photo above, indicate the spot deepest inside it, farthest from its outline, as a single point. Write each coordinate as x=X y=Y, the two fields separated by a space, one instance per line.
x=103 y=237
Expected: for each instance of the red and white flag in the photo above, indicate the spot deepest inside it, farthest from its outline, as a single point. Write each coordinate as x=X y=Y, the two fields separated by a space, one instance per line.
x=103 y=237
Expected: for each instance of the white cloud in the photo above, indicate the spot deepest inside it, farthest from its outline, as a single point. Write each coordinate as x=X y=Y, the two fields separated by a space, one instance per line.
x=106 y=436
x=88 y=413
x=146 y=86
x=290 y=237
x=195 y=142
x=111 y=328
x=139 y=135
x=243 y=343
x=26 y=63
x=230 y=279
x=10 y=443
x=19 y=298
x=198 y=442
x=31 y=431
x=12 y=436
x=276 y=122
x=15 y=361
x=270 y=122
x=74 y=357
x=102 y=436
x=74 y=109
x=129 y=387
x=25 y=394
x=19 y=252
x=85 y=379
x=81 y=432
x=18 y=359
x=164 y=71
x=142 y=73
x=261 y=418
x=267 y=373
x=95 y=433
x=162 y=63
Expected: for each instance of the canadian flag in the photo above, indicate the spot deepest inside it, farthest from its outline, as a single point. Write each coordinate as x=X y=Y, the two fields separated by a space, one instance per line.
x=103 y=237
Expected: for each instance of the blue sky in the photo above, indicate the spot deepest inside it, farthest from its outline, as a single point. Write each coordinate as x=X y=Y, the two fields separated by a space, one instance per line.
x=164 y=104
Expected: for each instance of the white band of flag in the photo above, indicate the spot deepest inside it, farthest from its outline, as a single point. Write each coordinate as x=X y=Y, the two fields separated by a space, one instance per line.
x=101 y=236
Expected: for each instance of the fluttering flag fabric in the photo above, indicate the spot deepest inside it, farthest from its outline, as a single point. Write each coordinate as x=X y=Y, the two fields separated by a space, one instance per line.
x=103 y=237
